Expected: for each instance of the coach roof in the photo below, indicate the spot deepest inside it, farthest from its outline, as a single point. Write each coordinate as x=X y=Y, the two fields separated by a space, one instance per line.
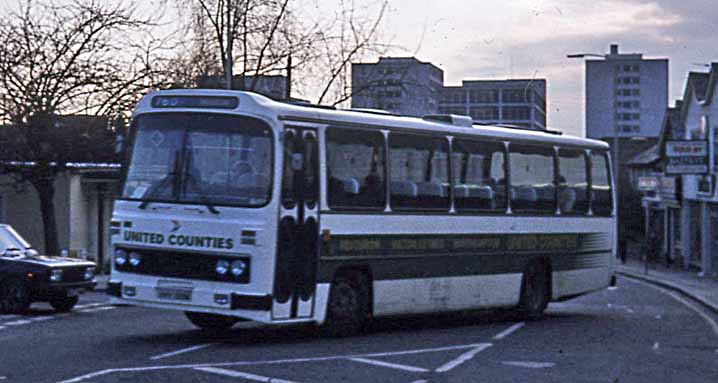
x=257 y=104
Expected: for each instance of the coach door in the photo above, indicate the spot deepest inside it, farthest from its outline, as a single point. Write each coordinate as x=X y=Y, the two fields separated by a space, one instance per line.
x=298 y=234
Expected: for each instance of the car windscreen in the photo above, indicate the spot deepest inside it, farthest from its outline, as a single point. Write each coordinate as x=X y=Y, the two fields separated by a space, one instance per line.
x=10 y=239
x=200 y=158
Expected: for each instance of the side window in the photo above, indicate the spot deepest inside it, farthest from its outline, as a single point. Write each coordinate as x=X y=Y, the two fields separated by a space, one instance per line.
x=479 y=179
x=419 y=172
x=601 y=201
x=572 y=181
x=532 y=180
x=355 y=168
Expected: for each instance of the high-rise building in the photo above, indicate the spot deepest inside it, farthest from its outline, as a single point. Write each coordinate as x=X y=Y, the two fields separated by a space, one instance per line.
x=626 y=95
x=400 y=85
x=508 y=102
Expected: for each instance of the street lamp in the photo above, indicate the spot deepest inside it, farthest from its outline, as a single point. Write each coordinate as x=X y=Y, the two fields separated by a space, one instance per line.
x=616 y=142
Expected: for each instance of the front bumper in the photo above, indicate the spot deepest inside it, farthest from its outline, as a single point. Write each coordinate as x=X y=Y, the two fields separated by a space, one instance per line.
x=47 y=290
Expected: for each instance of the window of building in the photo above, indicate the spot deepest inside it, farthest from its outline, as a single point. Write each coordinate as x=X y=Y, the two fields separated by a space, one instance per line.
x=490 y=113
x=419 y=172
x=532 y=179
x=601 y=199
x=355 y=168
x=521 y=95
x=479 y=177
x=572 y=181
x=516 y=113
x=484 y=96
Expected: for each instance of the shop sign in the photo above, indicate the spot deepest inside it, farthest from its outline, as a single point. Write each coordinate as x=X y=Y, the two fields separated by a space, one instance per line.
x=687 y=157
x=668 y=188
x=647 y=183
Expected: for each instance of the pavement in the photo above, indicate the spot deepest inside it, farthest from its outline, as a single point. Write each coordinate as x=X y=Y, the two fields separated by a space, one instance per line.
x=701 y=288
x=102 y=282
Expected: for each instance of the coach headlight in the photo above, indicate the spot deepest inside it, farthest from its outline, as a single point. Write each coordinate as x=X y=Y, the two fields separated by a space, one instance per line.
x=238 y=267
x=222 y=267
x=120 y=257
x=89 y=273
x=56 y=275
x=135 y=259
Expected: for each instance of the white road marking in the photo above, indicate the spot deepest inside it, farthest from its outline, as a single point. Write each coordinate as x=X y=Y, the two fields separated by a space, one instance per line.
x=41 y=319
x=243 y=375
x=612 y=288
x=96 y=309
x=2 y=327
x=84 y=306
x=269 y=362
x=389 y=365
x=17 y=322
x=509 y=331
x=530 y=364
x=656 y=345
x=420 y=381
x=688 y=304
x=658 y=316
x=181 y=351
x=463 y=358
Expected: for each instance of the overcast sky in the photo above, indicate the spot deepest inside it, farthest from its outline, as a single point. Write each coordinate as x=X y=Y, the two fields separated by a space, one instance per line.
x=497 y=39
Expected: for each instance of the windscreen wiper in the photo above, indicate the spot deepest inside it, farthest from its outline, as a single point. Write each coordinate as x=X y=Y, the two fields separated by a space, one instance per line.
x=147 y=196
x=198 y=186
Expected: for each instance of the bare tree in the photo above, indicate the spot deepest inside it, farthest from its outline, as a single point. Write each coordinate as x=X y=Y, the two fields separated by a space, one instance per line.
x=269 y=37
x=84 y=57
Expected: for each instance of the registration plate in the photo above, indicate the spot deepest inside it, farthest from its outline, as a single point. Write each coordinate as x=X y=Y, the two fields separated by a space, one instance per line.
x=174 y=294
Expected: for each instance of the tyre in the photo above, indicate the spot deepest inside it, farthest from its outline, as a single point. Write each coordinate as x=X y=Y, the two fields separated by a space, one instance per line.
x=348 y=306
x=64 y=304
x=534 y=291
x=211 y=321
x=14 y=296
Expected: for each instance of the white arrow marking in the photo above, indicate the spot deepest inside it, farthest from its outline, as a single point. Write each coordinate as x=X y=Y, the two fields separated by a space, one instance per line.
x=243 y=375
x=389 y=365
x=509 y=331
x=530 y=364
x=463 y=358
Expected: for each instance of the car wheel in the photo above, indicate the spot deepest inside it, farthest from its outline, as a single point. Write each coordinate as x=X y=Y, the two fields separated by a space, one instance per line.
x=64 y=304
x=211 y=321
x=534 y=291
x=14 y=296
x=348 y=306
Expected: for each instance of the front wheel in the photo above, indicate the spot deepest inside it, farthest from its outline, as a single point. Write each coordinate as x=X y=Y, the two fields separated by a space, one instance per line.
x=64 y=304
x=14 y=296
x=348 y=306
x=534 y=291
x=211 y=321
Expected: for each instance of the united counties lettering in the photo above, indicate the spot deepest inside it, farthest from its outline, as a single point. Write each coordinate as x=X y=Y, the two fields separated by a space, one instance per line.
x=206 y=242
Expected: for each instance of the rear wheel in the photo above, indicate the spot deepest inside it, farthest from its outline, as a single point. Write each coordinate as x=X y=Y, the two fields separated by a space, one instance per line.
x=348 y=306
x=211 y=321
x=14 y=296
x=534 y=291
x=64 y=304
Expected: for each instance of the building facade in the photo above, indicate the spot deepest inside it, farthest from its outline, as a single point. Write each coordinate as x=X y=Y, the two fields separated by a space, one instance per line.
x=84 y=195
x=508 y=102
x=626 y=95
x=399 y=85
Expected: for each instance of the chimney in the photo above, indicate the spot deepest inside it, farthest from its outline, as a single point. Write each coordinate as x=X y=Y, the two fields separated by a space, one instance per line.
x=614 y=49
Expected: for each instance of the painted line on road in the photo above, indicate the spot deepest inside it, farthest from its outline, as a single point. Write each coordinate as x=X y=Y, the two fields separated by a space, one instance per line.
x=182 y=351
x=18 y=322
x=270 y=362
x=96 y=309
x=389 y=365
x=463 y=358
x=688 y=304
x=509 y=331
x=529 y=364
x=243 y=375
